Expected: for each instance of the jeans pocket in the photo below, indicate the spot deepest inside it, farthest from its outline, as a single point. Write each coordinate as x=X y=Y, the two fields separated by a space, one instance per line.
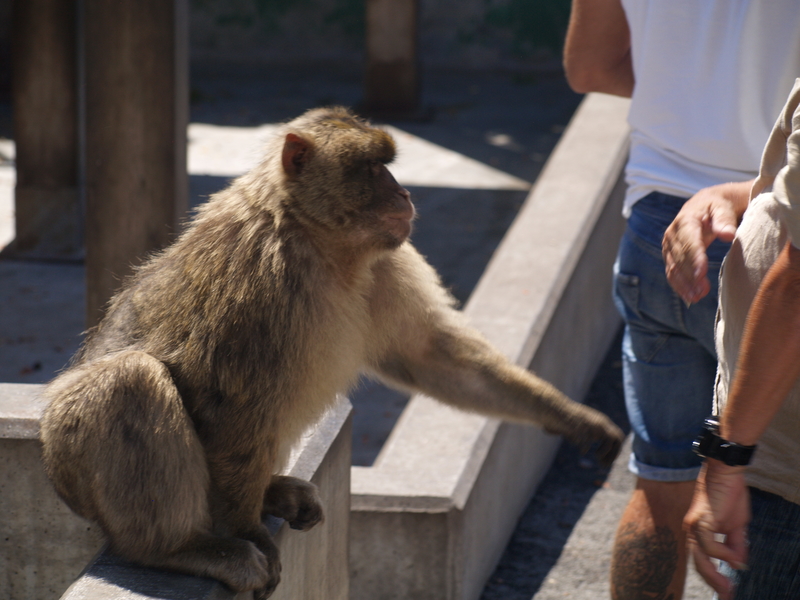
x=645 y=340
x=626 y=296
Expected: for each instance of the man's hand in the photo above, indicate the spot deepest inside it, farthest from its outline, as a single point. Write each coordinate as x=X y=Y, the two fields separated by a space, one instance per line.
x=712 y=213
x=721 y=505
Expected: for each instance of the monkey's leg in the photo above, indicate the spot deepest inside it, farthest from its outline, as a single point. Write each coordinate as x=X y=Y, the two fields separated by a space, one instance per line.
x=240 y=463
x=259 y=539
x=458 y=366
x=244 y=559
x=122 y=451
x=295 y=500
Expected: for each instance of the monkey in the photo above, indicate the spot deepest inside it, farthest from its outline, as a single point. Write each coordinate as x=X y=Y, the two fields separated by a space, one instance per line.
x=170 y=426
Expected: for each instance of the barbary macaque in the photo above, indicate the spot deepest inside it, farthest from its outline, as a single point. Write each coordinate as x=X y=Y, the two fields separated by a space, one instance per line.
x=170 y=426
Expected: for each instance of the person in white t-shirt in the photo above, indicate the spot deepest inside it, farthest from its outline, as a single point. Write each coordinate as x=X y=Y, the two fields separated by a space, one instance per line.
x=705 y=81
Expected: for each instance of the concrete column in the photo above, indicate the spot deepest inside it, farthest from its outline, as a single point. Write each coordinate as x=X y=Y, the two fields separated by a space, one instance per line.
x=136 y=61
x=45 y=104
x=392 y=77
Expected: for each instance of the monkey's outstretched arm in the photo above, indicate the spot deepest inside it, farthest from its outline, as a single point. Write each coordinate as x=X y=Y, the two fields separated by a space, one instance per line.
x=458 y=366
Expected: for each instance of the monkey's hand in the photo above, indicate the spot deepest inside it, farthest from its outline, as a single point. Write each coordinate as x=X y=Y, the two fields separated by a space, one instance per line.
x=294 y=500
x=590 y=428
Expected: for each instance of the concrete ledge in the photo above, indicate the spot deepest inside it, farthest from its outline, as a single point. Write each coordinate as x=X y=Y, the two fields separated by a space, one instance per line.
x=430 y=519
x=45 y=547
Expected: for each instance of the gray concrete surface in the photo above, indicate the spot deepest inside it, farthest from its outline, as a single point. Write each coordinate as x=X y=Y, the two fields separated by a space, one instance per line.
x=505 y=123
x=43 y=545
x=562 y=543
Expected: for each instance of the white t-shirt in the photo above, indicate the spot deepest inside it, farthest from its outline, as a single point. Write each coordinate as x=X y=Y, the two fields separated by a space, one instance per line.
x=710 y=77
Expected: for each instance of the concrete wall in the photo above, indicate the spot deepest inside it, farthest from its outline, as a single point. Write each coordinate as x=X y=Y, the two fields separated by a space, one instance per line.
x=45 y=547
x=432 y=516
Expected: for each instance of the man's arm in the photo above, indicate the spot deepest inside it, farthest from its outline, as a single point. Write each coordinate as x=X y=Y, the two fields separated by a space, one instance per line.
x=768 y=367
x=769 y=358
x=597 y=51
x=712 y=213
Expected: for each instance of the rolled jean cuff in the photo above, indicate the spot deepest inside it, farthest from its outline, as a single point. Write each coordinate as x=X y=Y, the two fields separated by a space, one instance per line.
x=661 y=473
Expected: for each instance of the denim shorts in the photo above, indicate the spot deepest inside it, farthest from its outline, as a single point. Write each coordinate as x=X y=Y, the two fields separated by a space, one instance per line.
x=669 y=361
x=774 y=555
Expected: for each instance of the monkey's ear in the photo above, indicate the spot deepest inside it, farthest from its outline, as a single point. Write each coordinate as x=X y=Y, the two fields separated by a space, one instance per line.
x=296 y=153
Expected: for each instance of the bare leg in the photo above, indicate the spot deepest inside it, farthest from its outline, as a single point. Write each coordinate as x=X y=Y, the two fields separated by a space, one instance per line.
x=294 y=500
x=649 y=557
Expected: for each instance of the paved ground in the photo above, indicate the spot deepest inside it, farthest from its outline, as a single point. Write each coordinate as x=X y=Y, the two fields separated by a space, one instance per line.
x=562 y=544
x=468 y=167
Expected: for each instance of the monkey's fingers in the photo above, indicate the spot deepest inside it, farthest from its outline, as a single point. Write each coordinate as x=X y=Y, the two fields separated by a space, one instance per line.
x=602 y=435
x=263 y=593
x=609 y=442
x=294 y=500
x=608 y=451
x=307 y=517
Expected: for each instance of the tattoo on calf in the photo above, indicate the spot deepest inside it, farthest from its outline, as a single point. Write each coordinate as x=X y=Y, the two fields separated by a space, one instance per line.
x=644 y=564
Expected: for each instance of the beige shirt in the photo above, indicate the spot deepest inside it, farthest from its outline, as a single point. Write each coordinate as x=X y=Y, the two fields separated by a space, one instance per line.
x=772 y=217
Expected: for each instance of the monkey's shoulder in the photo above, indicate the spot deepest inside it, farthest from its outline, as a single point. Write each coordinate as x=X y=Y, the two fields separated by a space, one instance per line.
x=406 y=297
x=405 y=272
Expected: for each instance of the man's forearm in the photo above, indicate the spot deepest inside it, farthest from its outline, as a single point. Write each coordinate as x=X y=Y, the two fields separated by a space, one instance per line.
x=768 y=367
x=769 y=356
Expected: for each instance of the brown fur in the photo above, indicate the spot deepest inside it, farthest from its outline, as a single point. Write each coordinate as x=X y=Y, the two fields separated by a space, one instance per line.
x=172 y=421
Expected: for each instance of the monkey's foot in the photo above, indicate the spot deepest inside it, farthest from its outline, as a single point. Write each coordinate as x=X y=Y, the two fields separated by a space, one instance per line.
x=262 y=539
x=237 y=563
x=294 y=500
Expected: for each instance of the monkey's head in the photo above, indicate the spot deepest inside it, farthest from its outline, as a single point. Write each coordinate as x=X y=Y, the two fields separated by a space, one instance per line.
x=335 y=177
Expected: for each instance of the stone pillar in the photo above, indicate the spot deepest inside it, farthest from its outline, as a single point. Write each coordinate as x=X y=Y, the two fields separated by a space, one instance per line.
x=392 y=77
x=45 y=105
x=137 y=102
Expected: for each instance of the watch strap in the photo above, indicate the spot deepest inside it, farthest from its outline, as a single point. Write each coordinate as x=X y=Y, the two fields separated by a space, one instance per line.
x=710 y=444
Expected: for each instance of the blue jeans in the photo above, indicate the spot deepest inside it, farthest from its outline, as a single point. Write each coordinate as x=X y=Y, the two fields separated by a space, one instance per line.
x=774 y=561
x=669 y=361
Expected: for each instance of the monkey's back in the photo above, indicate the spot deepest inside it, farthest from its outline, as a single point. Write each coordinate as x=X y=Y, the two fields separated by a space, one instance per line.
x=242 y=311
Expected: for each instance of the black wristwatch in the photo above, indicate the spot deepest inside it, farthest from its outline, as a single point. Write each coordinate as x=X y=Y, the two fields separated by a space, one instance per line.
x=710 y=445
